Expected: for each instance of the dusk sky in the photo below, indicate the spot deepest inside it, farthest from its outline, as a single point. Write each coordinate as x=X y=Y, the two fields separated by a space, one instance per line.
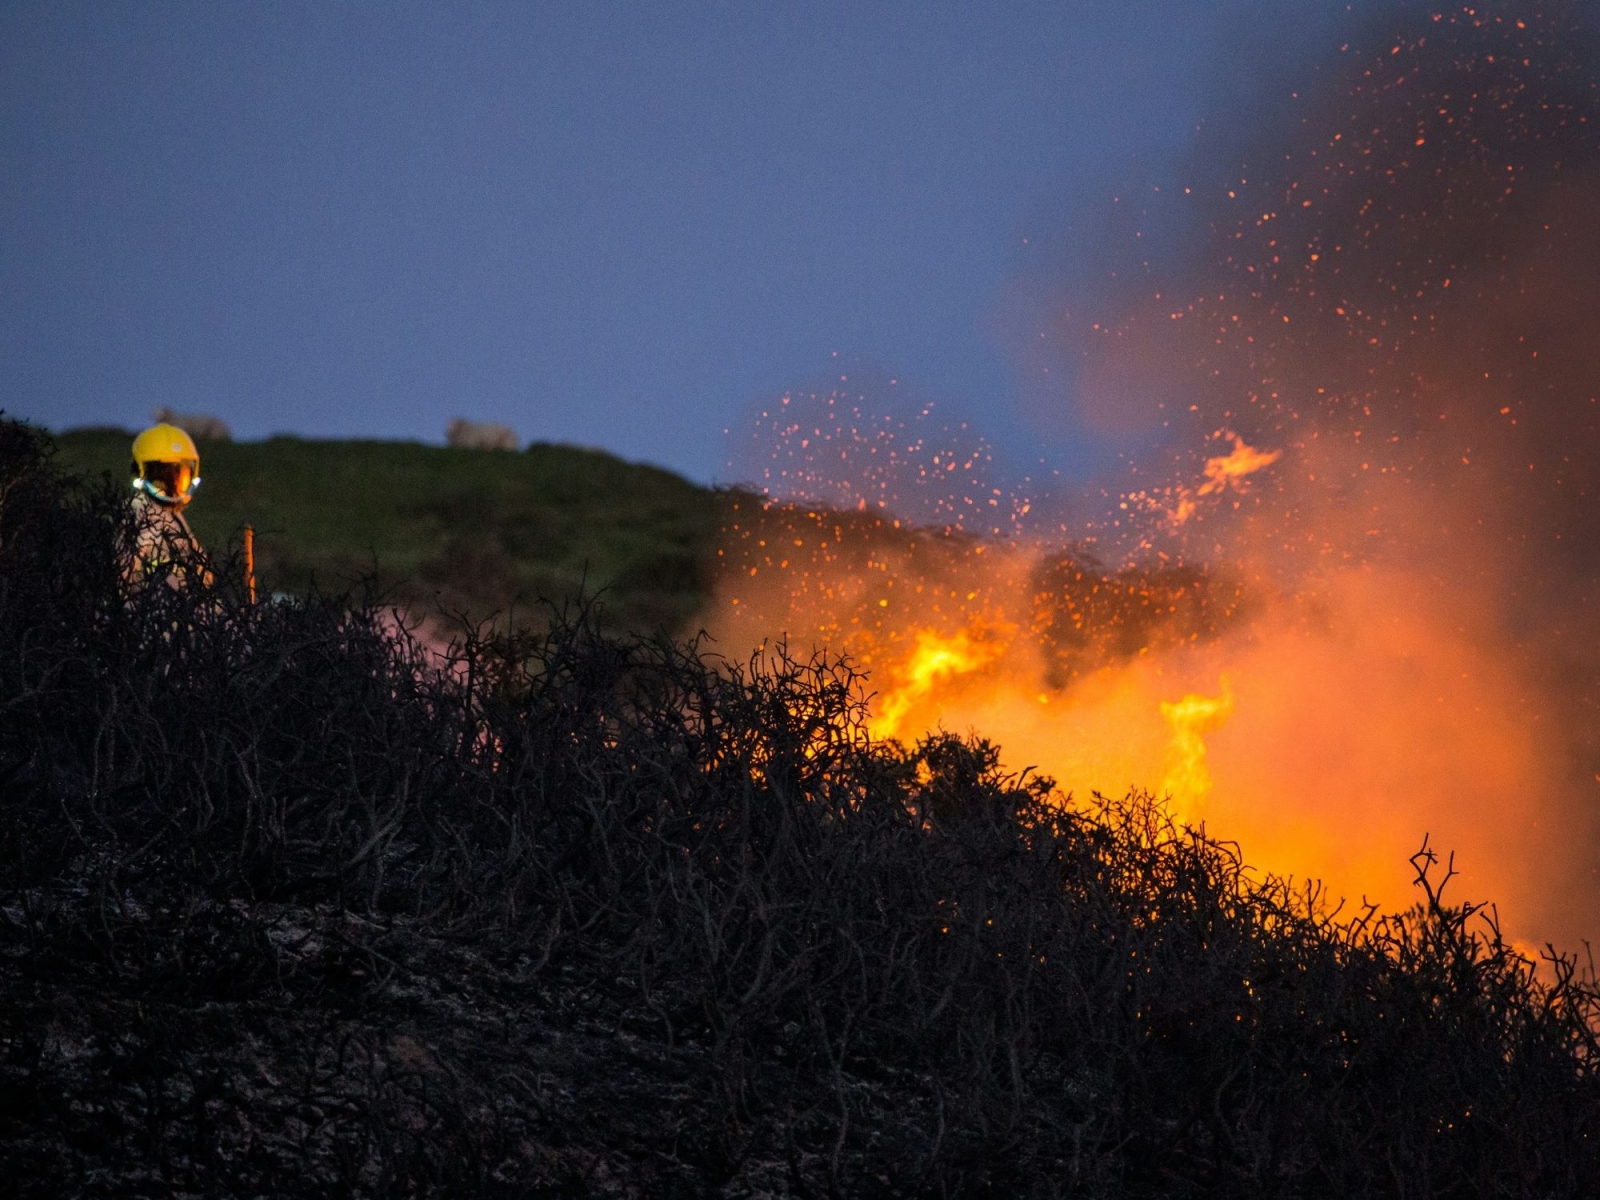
x=618 y=225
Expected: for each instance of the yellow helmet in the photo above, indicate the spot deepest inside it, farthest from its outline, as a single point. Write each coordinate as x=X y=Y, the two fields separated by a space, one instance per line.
x=166 y=465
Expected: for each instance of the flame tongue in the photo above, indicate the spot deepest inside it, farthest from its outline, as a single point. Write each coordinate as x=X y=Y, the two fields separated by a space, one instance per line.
x=1188 y=778
x=1242 y=460
x=1221 y=472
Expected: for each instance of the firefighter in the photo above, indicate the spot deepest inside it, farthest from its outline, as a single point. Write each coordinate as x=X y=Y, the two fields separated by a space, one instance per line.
x=166 y=471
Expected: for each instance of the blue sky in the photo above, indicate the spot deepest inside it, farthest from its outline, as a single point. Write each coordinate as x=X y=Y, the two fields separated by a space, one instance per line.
x=620 y=225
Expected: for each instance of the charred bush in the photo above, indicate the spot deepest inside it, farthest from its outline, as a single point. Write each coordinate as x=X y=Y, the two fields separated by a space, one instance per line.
x=291 y=904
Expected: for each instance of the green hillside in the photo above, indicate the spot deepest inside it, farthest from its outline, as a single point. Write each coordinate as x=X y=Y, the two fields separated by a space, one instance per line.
x=468 y=528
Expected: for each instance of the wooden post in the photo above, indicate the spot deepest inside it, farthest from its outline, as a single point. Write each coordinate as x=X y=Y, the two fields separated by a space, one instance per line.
x=250 y=561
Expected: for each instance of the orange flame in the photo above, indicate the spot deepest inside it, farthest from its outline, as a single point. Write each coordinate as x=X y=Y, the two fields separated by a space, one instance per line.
x=934 y=660
x=1222 y=470
x=1188 y=778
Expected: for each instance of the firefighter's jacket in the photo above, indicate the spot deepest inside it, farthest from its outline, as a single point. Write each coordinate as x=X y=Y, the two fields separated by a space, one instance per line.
x=164 y=547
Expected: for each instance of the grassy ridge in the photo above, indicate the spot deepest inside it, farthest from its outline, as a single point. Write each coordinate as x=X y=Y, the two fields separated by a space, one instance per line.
x=477 y=529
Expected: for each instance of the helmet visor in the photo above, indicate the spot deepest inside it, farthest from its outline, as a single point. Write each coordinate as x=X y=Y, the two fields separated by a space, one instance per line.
x=171 y=480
